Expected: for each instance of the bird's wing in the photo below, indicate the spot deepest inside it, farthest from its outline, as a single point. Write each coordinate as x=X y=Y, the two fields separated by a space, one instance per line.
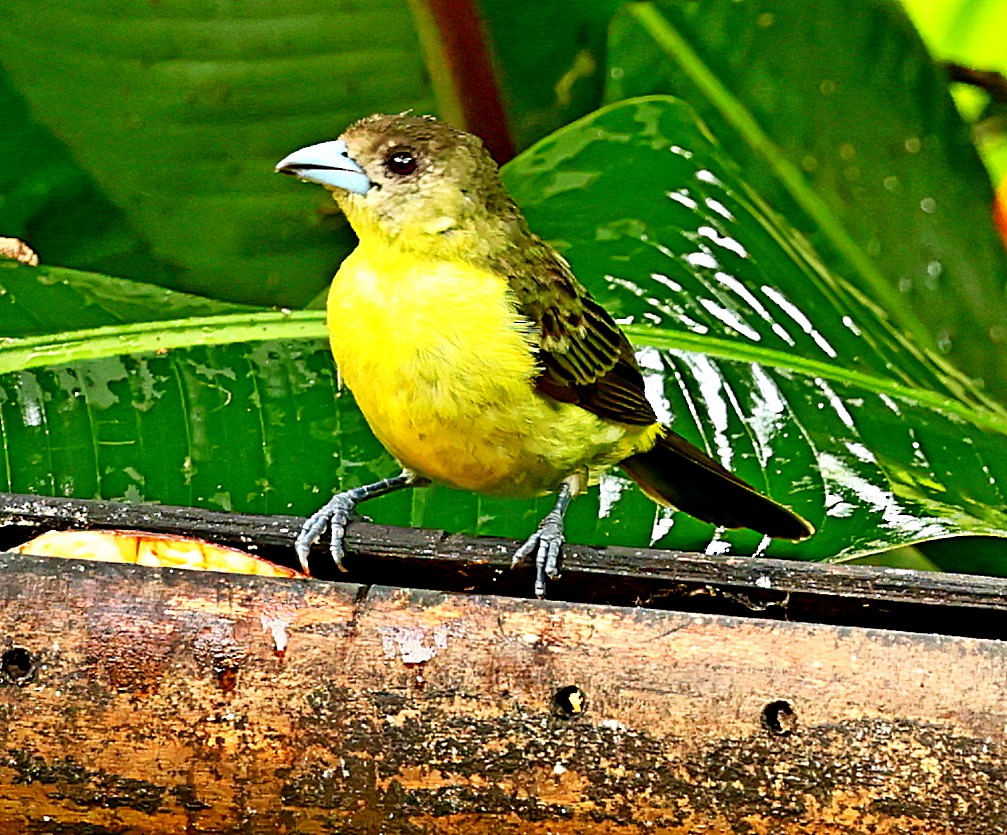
x=585 y=357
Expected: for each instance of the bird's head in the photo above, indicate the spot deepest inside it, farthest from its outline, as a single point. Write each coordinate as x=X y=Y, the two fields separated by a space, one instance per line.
x=414 y=180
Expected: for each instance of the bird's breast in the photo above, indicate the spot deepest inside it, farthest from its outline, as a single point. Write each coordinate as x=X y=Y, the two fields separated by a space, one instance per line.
x=446 y=334
x=440 y=363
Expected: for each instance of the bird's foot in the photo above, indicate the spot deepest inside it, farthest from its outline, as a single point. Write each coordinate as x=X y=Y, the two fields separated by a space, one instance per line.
x=334 y=514
x=547 y=545
x=547 y=541
x=337 y=512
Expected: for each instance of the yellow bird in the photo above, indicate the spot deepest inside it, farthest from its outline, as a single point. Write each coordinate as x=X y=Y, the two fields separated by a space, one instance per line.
x=476 y=356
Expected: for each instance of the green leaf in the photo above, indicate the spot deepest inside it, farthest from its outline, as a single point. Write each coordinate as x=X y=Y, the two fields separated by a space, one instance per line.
x=963 y=30
x=967 y=555
x=851 y=133
x=178 y=111
x=199 y=426
x=759 y=353
x=969 y=32
x=50 y=300
x=551 y=60
x=44 y=194
x=158 y=336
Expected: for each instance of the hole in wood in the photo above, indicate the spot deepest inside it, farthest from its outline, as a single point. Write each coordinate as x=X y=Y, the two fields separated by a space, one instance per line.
x=570 y=701
x=779 y=718
x=227 y=677
x=17 y=666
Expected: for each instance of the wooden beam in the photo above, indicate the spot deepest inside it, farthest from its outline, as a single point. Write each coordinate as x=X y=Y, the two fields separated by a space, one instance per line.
x=747 y=697
x=160 y=701
x=914 y=601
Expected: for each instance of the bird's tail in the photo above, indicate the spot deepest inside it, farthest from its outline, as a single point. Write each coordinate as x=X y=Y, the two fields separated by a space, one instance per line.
x=679 y=474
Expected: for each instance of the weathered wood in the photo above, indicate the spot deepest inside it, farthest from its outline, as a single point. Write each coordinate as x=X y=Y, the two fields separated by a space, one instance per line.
x=156 y=701
x=952 y=604
x=134 y=700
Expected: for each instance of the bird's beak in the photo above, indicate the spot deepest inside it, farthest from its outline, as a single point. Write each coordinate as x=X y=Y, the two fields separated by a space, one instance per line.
x=328 y=163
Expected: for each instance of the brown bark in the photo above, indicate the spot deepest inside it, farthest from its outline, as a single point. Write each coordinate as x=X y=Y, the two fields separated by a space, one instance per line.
x=156 y=701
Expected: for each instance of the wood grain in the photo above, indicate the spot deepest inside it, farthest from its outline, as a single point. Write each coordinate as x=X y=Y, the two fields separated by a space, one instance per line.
x=142 y=700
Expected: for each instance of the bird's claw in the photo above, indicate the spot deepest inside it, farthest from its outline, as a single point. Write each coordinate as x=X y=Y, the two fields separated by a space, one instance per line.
x=335 y=514
x=547 y=545
x=338 y=511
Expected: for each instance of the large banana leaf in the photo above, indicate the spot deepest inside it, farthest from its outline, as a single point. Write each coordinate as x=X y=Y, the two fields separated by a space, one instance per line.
x=751 y=347
x=166 y=118
x=843 y=122
x=52 y=300
x=138 y=138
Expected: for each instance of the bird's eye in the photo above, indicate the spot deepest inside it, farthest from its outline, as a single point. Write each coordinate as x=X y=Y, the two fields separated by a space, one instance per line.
x=401 y=162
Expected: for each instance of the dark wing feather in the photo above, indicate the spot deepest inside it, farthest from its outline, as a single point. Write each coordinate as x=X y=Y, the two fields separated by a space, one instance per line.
x=585 y=358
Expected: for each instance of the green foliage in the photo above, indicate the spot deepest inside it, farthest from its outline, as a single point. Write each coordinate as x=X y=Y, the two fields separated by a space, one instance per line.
x=35 y=301
x=552 y=59
x=798 y=264
x=176 y=112
x=970 y=32
x=841 y=121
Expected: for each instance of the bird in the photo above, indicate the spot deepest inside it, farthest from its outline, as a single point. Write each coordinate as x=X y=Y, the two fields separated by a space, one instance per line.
x=476 y=356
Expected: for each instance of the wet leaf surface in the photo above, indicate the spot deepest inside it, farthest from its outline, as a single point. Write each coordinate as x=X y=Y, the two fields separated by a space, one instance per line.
x=750 y=346
x=840 y=119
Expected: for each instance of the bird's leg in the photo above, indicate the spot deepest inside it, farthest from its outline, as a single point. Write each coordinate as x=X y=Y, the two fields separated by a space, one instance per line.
x=337 y=511
x=547 y=541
